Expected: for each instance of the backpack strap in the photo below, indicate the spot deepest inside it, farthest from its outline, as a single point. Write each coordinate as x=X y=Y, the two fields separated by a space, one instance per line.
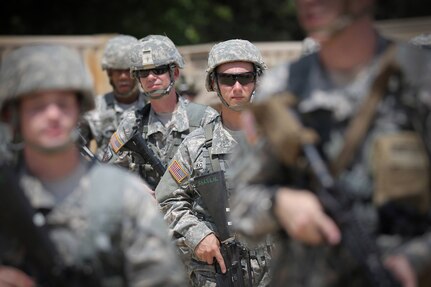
x=298 y=71
x=110 y=100
x=142 y=116
x=195 y=113
x=361 y=122
x=213 y=164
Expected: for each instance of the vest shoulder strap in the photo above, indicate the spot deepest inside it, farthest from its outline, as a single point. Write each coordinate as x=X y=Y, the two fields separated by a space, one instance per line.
x=213 y=159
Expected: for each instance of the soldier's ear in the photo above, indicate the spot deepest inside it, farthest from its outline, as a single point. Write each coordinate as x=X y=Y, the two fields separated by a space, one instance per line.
x=176 y=73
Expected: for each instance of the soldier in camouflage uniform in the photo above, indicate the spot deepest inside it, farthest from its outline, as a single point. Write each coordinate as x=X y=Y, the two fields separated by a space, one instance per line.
x=389 y=168
x=233 y=69
x=167 y=119
x=101 y=123
x=102 y=220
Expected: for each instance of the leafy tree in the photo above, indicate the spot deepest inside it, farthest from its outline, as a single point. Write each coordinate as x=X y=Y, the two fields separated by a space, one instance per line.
x=184 y=21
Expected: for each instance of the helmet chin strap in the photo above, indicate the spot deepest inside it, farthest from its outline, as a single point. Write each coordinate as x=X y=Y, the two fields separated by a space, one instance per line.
x=157 y=94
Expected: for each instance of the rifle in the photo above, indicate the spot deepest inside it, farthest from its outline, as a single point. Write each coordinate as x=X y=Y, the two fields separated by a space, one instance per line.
x=82 y=144
x=355 y=237
x=212 y=189
x=334 y=198
x=139 y=145
x=18 y=220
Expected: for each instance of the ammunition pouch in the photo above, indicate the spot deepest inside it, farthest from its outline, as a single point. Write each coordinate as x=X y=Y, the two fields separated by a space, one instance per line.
x=401 y=171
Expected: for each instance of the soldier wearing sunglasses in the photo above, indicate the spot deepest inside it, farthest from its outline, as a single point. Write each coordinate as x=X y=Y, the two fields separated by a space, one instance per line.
x=167 y=119
x=101 y=123
x=233 y=69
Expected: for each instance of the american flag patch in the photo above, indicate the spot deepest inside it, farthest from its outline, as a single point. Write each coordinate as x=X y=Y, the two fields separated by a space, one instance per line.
x=115 y=142
x=177 y=171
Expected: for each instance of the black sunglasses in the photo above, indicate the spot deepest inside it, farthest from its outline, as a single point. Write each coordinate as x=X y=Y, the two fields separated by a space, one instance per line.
x=156 y=71
x=231 y=79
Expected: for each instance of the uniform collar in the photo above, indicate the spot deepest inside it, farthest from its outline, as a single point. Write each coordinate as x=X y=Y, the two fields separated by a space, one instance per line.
x=179 y=122
x=223 y=142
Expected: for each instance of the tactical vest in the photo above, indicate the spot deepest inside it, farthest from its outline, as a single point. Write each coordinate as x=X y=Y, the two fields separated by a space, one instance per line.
x=195 y=113
x=110 y=100
x=261 y=254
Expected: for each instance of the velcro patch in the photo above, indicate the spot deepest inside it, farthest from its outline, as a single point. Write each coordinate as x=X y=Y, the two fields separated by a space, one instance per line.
x=177 y=171
x=115 y=142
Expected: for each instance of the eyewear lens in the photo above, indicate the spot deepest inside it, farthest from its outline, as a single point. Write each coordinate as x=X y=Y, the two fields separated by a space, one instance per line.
x=231 y=79
x=156 y=71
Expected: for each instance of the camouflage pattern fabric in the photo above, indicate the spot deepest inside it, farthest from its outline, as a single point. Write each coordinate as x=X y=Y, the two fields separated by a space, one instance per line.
x=328 y=107
x=153 y=51
x=108 y=221
x=103 y=121
x=45 y=67
x=185 y=211
x=422 y=40
x=160 y=138
x=116 y=52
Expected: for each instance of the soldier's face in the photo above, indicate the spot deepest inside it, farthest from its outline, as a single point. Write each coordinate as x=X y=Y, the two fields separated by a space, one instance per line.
x=236 y=81
x=121 y=81
x=317 y=14
x=155 y=81
x=48 y=119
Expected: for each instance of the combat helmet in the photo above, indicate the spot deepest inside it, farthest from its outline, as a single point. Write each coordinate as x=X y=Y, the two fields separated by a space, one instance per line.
x=154 y=51
x=44 y=67
x=233 y=51
x=116 y=53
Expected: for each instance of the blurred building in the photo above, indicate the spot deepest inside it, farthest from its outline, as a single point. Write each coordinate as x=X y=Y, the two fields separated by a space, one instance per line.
x=91 y=47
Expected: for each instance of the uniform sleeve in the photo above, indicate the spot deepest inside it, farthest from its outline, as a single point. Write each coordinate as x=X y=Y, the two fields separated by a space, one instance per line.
x=209 y=116
x=150 y=255
x=115 y=152
x=176 y=200
x=258 y=177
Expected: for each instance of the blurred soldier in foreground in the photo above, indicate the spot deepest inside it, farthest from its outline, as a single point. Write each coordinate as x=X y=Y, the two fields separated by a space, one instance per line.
x=6 y=154
x=193 y=210
x=101 y=123
x=368 y=100
x=103 y=223
x=164 y=122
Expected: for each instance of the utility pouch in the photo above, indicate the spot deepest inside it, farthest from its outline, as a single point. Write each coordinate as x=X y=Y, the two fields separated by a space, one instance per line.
x=401 y=170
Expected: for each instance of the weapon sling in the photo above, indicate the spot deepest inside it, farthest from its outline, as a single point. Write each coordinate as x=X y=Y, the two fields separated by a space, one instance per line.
x=360 y=123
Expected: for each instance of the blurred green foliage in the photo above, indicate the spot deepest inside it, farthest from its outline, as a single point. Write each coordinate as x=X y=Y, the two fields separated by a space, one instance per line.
x=184 y=21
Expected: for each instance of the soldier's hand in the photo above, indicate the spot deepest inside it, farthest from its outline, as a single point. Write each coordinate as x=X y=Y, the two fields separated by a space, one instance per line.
x=208 y=249
x=301 y=215
x=12 y=277
x=402 y=270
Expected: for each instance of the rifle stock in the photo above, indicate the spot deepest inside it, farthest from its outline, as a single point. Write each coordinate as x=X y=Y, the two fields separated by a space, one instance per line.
x=139 y=145
x=212 y=189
